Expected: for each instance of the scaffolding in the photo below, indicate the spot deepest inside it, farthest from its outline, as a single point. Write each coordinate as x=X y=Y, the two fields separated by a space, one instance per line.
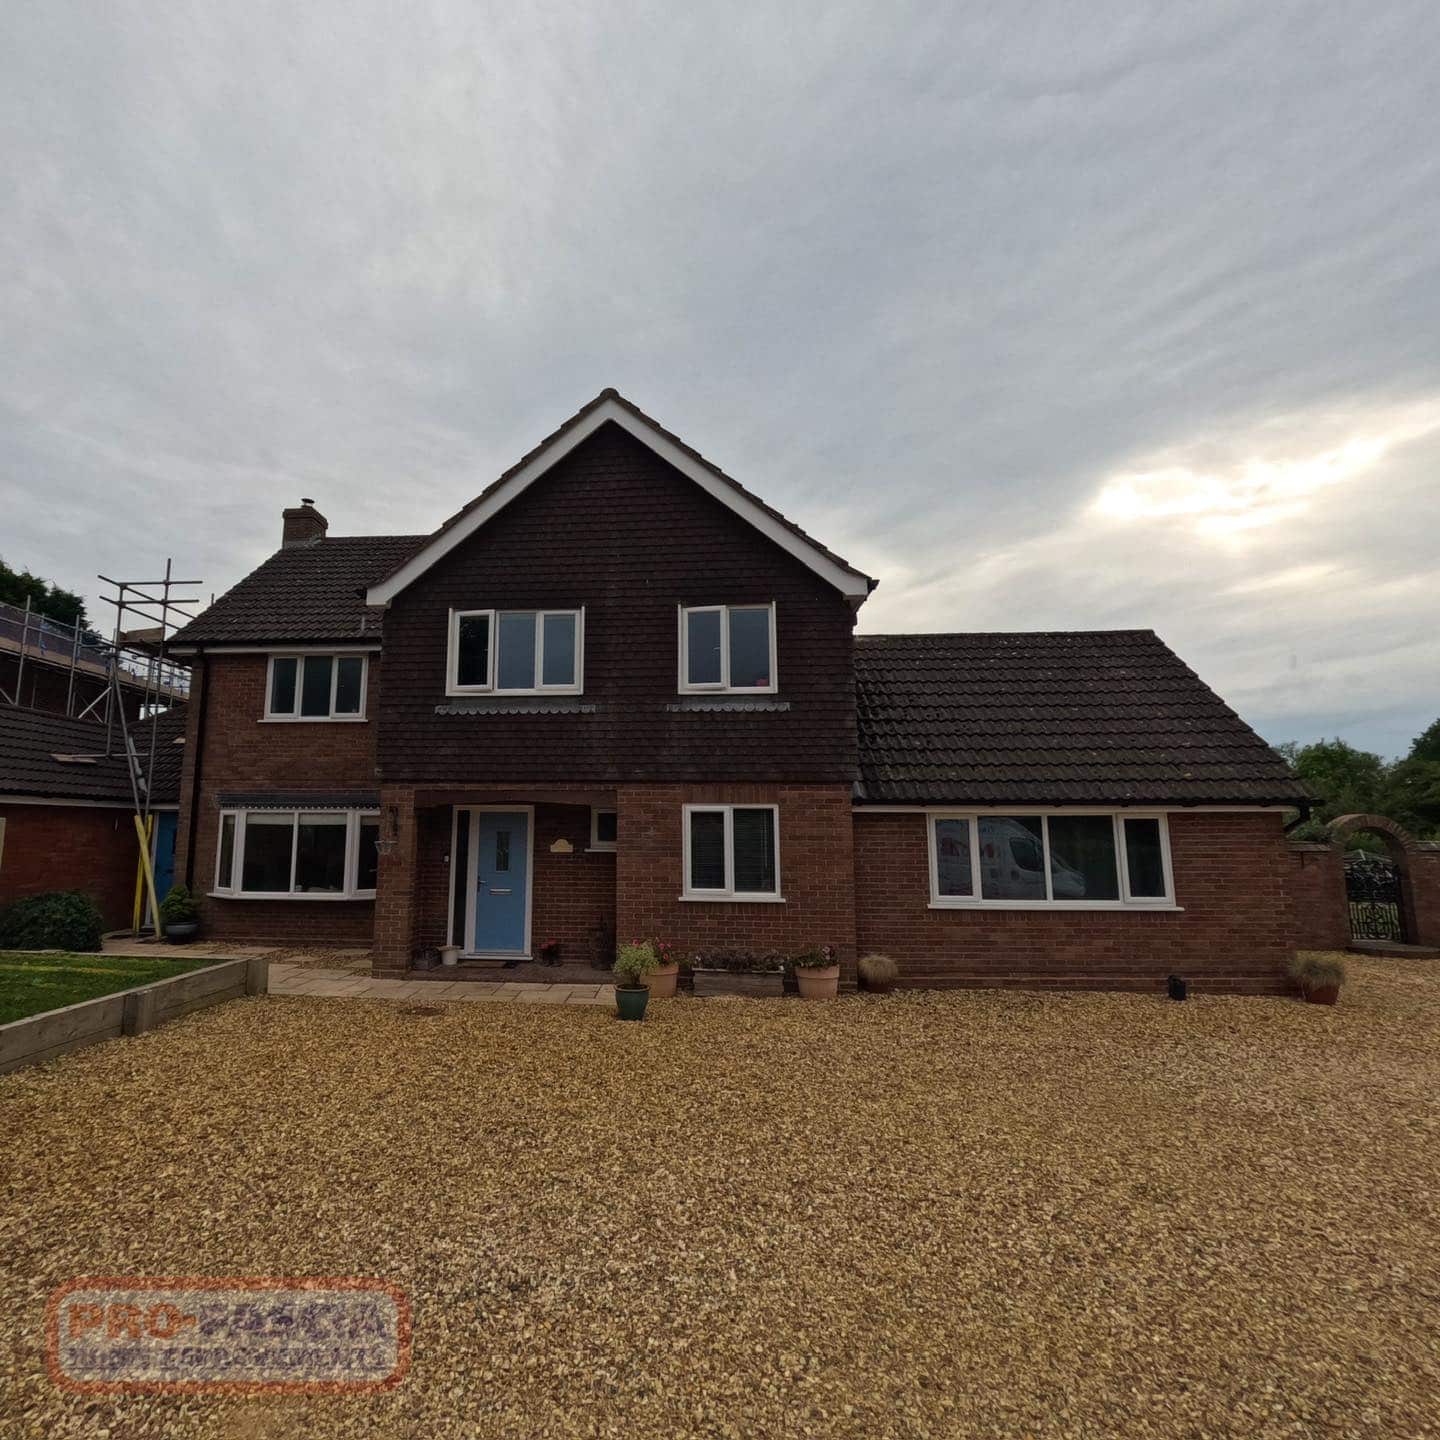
x=136 y=598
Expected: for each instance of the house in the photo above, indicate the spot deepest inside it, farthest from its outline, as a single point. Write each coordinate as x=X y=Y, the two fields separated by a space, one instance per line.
x=67 y=807
x=618 y=692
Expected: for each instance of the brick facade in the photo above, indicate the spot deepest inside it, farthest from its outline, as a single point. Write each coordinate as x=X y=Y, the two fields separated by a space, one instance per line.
x=1317 y=896
x=1234 y=931
x=241 y=751
x=614 y=529
x=71 y=847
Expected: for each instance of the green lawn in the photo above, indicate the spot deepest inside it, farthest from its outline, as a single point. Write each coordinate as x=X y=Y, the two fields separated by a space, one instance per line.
x=32 y=983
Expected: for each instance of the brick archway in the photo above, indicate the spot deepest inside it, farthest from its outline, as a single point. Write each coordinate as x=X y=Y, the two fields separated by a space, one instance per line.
x=1416 y=864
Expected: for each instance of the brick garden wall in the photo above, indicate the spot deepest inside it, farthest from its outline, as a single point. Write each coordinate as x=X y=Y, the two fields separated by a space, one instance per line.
x=242 y=752
x=1235 y=931
x=71 y=847
x=1316 y=883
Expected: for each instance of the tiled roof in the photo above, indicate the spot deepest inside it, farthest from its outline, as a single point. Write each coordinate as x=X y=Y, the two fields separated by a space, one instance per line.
x=1100 y=717
x=30 y=740
x=311 y=592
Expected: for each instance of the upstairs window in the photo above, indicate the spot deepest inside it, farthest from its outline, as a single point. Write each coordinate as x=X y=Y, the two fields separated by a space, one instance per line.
x=1057 y=859
x=727 y=648
x=316 y=687
x=516 y=652
x=732 y=852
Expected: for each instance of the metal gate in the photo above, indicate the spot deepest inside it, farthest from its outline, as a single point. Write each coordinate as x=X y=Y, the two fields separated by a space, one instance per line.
x=1372 y=886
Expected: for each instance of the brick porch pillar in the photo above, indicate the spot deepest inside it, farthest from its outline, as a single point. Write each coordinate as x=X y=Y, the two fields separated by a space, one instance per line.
x=395 y=908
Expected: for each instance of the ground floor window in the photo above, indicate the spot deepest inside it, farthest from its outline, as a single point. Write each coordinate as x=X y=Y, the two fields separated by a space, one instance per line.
x=328 y=854
x=1057 y=858
x=732 y=852
x=604 y=829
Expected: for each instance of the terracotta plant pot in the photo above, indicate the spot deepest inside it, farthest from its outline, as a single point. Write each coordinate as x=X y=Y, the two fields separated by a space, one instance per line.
x=662 y=980
x=630 y=1001
x=818 y=982
x=1322 y=994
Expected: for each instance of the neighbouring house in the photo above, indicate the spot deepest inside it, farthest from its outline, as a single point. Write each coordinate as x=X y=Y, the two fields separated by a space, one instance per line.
x=67 y=807
x=619 y=693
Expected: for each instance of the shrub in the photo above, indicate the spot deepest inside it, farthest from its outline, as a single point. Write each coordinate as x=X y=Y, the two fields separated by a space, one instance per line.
x=1315 y=972
x=739 y=961
x=634 y=961
x=878 y=970
x=817 y=957
x=179 y=907
x=59 y=920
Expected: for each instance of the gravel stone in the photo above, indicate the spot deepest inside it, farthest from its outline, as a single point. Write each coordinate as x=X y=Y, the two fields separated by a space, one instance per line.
x=919 y=1215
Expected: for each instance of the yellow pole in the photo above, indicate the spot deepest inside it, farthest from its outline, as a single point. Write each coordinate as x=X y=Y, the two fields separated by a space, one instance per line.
x=149 y=877
x=139 y=909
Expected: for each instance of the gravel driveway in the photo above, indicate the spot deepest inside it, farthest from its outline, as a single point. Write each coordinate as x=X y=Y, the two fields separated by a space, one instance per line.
x=923 y=1215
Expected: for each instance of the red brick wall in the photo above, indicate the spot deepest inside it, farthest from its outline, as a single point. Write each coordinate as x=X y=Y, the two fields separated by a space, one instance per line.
x=1316 y=884
x=816 y=875
x=614 y=529
x=71 y=847
x=1235 y=930
x=1424 y=882
x=243 y=752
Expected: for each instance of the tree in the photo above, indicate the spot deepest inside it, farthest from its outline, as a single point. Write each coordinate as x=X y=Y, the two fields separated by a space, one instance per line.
x=1427 y=744
x=46 y=598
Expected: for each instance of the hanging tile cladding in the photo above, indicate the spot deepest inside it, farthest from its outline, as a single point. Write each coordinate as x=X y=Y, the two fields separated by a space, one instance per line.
x=616 y=530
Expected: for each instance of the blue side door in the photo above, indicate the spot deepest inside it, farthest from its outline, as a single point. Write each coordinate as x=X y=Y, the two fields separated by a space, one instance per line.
x=164 y=852
x=502 y=881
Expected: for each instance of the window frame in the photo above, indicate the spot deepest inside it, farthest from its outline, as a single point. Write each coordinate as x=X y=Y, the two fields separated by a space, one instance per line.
x=493 y=613
x=596 y=843
x=724 y=687
x=228 y=888
x=1117 y=817
x=294 y=717
x=729 y=895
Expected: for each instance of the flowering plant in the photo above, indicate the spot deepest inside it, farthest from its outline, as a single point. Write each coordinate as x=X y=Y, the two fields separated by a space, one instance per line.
x=550 y=951
x=817 y=957
x=664 y=953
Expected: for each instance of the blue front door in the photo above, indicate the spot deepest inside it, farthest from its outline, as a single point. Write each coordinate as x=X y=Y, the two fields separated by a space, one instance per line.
x=502 y=877
x=164 y=852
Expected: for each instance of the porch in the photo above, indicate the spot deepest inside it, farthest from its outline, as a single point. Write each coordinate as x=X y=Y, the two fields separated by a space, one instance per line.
x=522 y=882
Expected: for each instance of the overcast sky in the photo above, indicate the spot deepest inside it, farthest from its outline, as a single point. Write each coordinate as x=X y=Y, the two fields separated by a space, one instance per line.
x=1052 y=317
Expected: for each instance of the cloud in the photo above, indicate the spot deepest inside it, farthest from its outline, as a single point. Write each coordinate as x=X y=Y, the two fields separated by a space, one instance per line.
x=1045 y=325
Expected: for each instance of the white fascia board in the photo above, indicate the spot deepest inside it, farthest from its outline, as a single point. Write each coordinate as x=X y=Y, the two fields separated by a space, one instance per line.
x=849 y=582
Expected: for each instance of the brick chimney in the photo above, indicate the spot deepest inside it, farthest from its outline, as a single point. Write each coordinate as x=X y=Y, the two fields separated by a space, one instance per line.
x=303 y=525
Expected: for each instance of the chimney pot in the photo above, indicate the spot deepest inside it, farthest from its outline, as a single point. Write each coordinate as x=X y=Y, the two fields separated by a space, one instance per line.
x=303 y=525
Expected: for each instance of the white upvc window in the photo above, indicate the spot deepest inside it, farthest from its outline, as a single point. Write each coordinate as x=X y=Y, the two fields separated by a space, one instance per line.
x=1023 y=859
x=732 y=852
x=516 y=652
x=728 y=649
x=604 y=828
x=316 y=687
x=297 y=854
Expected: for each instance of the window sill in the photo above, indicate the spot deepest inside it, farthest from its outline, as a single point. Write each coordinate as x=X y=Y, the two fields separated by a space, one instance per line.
x=313 y=719
x=601 y=849
x=254 y=895
x=1046 y=906
x=732 y=899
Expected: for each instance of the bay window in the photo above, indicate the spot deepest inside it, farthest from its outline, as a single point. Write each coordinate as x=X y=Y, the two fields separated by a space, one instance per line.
x=732 y=852
x=281 y=854
x=316 y=687
x=1060 y=859
x=727 y=648
x=516 y=652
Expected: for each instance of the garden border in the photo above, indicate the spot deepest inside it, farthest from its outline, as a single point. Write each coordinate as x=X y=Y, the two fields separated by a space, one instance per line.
x=36 y=1038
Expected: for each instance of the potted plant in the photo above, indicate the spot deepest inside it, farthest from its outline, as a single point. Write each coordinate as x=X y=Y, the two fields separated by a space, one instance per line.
x=739 y=972
x=878 y=973
x=1318 y=976
x=663 y=979
x=817 y=973
x=633 y=962
x=449 y=954
x=180 y=916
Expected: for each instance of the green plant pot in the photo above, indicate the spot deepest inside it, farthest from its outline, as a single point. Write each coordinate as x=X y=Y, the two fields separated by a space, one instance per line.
x=630 y=1002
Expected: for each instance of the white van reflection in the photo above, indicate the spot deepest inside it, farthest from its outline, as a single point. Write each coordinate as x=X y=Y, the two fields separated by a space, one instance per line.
x=1012 y=865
